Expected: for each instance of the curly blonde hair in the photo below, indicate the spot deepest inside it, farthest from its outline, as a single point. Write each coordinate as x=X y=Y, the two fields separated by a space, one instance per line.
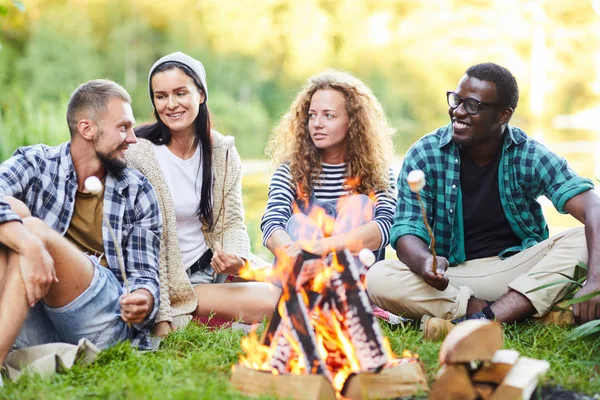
x=369 y=147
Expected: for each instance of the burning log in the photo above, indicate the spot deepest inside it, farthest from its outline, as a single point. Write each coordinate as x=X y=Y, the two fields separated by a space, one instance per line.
x=295 y=387
x=353 y=303
x=392 y=382
x=324 y=330
x=298 y=326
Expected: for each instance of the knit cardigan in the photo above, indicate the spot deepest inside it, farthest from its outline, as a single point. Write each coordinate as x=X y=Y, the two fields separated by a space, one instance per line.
x=177 y=297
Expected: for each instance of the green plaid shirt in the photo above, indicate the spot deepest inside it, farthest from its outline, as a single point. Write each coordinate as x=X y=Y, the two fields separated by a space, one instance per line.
x=527 y=170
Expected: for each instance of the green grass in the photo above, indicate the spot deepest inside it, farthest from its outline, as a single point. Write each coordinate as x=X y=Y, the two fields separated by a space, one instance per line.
x=196 y=363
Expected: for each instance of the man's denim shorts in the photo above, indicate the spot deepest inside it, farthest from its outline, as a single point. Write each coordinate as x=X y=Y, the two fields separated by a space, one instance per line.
x=95 y=315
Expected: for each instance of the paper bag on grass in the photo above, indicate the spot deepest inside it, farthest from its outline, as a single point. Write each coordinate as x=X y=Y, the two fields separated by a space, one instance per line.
x=48 y=359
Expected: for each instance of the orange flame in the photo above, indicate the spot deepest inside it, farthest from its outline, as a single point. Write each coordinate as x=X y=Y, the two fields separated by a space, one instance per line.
x=333 y=342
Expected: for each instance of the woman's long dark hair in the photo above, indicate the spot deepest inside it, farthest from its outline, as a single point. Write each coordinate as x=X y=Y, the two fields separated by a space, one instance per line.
x=159 y=134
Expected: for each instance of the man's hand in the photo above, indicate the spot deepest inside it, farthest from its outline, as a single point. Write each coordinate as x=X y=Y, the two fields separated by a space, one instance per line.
x=438 y=279
x=37 y=269
x=588 y=310
x=225 y=263
x=136 y=306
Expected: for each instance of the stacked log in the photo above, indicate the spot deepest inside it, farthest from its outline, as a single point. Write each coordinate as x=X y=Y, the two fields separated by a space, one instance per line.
x=475 y=367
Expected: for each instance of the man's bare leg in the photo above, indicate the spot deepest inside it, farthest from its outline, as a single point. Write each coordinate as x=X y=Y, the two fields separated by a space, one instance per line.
x=511 y=307
x=475 y=305
x=13 y=301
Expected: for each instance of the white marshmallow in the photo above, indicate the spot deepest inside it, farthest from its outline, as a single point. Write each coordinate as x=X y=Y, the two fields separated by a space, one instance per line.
x=93 y=185
x=366 y=257
x=228 y=142
x=416 y=180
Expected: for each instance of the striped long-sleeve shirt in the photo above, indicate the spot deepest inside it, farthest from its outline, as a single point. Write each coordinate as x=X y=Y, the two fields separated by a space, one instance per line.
x=328 y=187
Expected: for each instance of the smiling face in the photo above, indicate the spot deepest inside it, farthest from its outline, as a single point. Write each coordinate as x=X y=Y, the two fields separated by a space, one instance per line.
x=328 y=123
x=114 y=135
x=176 y=99
x=488 y=123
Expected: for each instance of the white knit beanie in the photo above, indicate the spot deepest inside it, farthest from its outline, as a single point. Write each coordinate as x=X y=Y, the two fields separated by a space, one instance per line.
x=181 y=58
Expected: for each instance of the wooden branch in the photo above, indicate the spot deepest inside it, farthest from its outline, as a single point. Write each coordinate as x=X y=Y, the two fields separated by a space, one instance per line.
x=471 y=340
x=453 y=382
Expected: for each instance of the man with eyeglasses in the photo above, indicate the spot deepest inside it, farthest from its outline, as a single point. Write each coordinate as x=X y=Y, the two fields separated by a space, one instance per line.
x=483 y=177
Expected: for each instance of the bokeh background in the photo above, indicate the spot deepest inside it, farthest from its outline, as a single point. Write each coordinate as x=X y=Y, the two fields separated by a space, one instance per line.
x=258 y=53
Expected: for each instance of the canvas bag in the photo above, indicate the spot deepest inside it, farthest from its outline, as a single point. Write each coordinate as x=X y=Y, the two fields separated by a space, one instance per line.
x=48 y=359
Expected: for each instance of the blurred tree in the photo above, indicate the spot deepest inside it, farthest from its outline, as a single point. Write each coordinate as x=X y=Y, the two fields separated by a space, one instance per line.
x=247 y=121
x=258 y=54
x=61 y=54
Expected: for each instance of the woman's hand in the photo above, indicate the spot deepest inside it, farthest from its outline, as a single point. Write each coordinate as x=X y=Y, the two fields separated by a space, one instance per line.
x=225 y=263
x=162 y=329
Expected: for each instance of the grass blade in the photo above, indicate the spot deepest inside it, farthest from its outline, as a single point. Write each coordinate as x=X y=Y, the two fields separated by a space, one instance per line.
x=549 y=272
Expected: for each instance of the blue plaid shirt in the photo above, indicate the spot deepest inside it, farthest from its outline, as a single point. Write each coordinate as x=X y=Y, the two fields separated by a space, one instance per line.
x=527 y=170
x=44 y=179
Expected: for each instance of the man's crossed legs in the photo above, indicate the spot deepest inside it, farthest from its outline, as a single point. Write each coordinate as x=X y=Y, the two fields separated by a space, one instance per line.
x=507 y=283
x=82 y=302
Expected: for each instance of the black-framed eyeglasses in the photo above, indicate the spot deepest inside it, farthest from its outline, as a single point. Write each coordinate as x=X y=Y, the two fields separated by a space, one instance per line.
x=471 y=105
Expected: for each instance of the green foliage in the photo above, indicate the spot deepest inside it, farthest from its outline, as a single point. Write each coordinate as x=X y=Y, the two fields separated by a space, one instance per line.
x=23 y=122
x=258 y=54
x=590 y=328
x=247 y=121
x=60 y=55
x=16 y=3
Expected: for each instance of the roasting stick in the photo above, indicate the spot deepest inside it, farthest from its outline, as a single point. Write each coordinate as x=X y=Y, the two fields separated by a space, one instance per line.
x=228 y=143
x=416 y=182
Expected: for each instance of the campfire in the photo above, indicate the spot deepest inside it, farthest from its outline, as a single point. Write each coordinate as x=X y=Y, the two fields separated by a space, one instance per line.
x=323 y=341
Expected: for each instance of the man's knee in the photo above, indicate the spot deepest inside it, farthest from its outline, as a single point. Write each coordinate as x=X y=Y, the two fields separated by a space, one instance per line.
x=17 y=206
x=382 y=277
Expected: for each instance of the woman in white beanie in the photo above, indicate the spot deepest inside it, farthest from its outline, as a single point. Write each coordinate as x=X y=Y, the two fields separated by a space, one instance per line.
x=196 y=173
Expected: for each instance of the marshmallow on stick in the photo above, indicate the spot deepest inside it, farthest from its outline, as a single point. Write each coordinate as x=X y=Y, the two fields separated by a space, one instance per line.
x=367 y=257
x=93 y=185
x=416 y=183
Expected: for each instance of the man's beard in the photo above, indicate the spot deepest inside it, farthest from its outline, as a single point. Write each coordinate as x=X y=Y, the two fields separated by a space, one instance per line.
x=113 y=165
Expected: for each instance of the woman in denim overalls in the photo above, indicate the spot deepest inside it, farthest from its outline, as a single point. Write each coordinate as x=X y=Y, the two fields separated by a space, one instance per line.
x=333 y=149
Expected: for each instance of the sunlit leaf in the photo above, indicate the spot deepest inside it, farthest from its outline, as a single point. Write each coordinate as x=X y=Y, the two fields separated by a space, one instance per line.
x=586 y=329
x=553 y=272
x=581 y=264
x=582 y=298
x=561 y=282
x=3 y=10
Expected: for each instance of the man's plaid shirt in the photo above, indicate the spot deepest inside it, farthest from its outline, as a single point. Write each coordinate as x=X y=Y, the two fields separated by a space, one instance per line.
x=527 y=170
x=44 y=179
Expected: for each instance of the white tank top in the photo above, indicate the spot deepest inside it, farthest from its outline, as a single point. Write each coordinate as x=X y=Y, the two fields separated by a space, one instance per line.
x=184 y=179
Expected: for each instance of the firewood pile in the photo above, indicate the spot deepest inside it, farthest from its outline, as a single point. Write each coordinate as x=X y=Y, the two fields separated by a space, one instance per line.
x=323 y=340
x=475 y=367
